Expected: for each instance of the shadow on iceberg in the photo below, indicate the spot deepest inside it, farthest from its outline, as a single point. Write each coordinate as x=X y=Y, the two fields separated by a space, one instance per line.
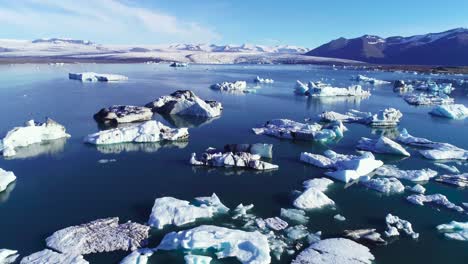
x=6 y=193
x=188 y=121
x=51 y=147
x=139 y=147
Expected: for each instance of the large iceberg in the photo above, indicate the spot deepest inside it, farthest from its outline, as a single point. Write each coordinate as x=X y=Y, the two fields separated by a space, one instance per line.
x=454 y=111
x=231 y=159
x=94 y=77
x=346 y=167
x=51 y=257
x=8 y=256
x=455 y=230
x=172 y=211
x=395 y=224
x=382 y=145
x=247 y=247
x=118 y=114
x=437 y=198
x=30 y=134
x=384 y=185
x=149 y=131
x=295 y=215
x=365 y=79
x=334 y=251
x=186 y=102
x=427 y=99
x=319 y=89
x=6 y=177
x=388 y=117
x=102 y=235
x=314 y=197
x=230 y=86
x=411 y=175
x=261 y=149
x=459 y=180
x=285 y=128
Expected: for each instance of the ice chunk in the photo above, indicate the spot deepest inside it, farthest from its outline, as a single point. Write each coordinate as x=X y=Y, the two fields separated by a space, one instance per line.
x=51 y=257
x=178 y=64
x=384 y=185
x=339 y=217
x=432 y=86
x=411 y=175
x=229 y=159
x=172 y=211
x=261 y=80
x=454 y=111
x=247 y=247
x=369 y=235
x=94 y=77
x=118 y=114
x=230 y=86
x=301 y=88
x=455 y=230
x=261 y=149
x=102 y=235
x=427 y=99
x=418 y=188
x=437 y=198
x=138 y=257
x=382 y=145
x=333 y=251
x=276 y=223
x=365 y=79
x=241 y=210
x=295 y=215
x=394 y=222
x=186 y=102
x=197 y=259
x=6 y=177
x=452 y=169
x=388 y=117
x=328 y=90
x=8 y=256
x=460 y=180
x=149 y=131
x=30 y=134
x=313 y=197
x=297 y=232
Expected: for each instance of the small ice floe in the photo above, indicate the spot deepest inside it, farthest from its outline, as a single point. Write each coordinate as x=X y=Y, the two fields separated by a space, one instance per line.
x=395 y=224
x=149 y=131
x=172 y=211
x=313 y=196
x=102 y=235
x=6 y=177
x=119 y=114
x=434 y=150
x=231 y=159
x=240 y=86
x=446 y=167
x=335 y=250
x=339 y=217
x=460 y=180
x=410 y=175
x=104 y=161
x=401 y=86
x=437 y=198
x=427 y=99
x=454 y=111
x=297 y=232
x=455 y=230
x=276 y=223
x=389 y=117
x=418 y=188
x=346 y=167
x=319 y=89
x=285 y=128
x=261 y=149
x=365 y=79
x=382 y=145
x=383 y=185
x=247 y=247
x=139 y=256
x=242 y=210
x=95 y=77
x=197 y=259
x=8 y=256
x=52 y=257
x=186 y=102
x=261 y=80
x=368 y=235
x=295 y=215
x=178 y=64
x=31 y=133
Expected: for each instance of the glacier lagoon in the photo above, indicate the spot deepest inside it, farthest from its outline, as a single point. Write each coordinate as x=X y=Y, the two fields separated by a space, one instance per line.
x=67 y=182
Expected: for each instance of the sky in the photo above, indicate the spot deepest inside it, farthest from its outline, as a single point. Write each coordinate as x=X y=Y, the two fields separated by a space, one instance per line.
x=307 y=23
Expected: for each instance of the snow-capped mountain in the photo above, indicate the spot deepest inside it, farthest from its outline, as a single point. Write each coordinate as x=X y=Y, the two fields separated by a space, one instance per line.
x=444 y=48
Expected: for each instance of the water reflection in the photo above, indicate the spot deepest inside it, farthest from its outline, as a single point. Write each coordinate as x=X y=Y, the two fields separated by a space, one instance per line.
x=6 y=193
x=188 y=121
x=141 y=147
x=350 y=101
x=52 y=147
x=390 y=132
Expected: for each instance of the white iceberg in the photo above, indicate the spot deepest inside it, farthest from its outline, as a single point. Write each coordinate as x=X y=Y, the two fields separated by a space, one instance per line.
x=197 y=259
x=31 y=133
x=230 y=86
x=51 y=257
x=230 y=159
x=382 y=145
x=261 y=80
x=247 y=247
x=314 y=197
x=449 y=168
x=411 y=175
x=149 y=131
x=365 y=79
x=276 y=223
x=261 y=149
x=427 y=99
x=366 y=234
x=319 y=89
x=6 y=177
x=339 y=217
x=295 y=215
x=437 y=198
x=388 y=117
x=119 y=114
x=455 y=230
x=417 y=188
x=454 y=111
x=94 y=77
x=8 y=256
x=140 y=256
x=384 y=185
x=186 y=102
x=459 y=180
x=395 y=224
x=432 y=86
x=172 y=211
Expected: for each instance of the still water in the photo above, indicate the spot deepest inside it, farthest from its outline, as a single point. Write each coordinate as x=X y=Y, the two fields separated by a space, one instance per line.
x=63 y=184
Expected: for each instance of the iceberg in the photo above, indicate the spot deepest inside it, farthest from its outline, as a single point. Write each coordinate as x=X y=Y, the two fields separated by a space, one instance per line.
x=319 y=89
x=261 y=149
x=382 y=145
x=296 y=232
x=449 y=168
x=432 y=86
x=418 y=188
x=276 y=223
x=295 y=215
x=149 y=131
x=333 y=251
x=427 y=99
x=186 y=102
x=384 y=185
x=261 y=80
x=365 y=79
x=339 y=217
x=455 y=230
x=51 y=257
x=178 y=64
x=230 y=159
x=454 y=111
x=119 y=114
x=172 y=211
x=395 y=224
x=411 y=175
x=31 y=133
x=197 y=259
x=139 y=256
x=95 y=77
x=247 y=247
x=459 y=180
x=230 y=86
x=314 y=197
x=102 y=235
x=437 y=198
x=401 y=86
x=6 y=177
x=388 y=117
x=8 y=256
x=367 y=234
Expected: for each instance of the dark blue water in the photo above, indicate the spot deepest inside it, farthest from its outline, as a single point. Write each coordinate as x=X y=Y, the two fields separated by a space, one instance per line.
x=65 y=185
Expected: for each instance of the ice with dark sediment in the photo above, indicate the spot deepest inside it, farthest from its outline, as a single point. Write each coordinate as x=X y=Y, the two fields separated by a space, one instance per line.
x=388 y=117
x=276 y=223
x=438 y=199
x=421 y=175
x=382 y=145
x=459 y=180
x=119 y=114
x=176 y=64
x=231 y=159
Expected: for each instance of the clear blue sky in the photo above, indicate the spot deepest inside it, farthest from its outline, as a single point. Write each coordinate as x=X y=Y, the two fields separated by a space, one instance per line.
x=303 y=22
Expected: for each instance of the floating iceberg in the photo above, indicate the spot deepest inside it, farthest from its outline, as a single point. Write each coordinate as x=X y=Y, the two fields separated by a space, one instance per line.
x=382 y=145
x=230 y=159
x=178 y=64
x=362 y=78
x=8 y=256
x=102 y=235
x=395 y=224
x=401 y=86
x=333 y=251
x=276 y=223
x=285 y=128
x=295 y=215
x=388 y=117
x=95 y=77
x=197 y=259
x=230 y=86
x=186 y=102
x=118 y=114
x=455 y=230
x=411 y=175
x=261 y=149
x=31 y=133
x=432 y=86
x=314 y=197
x=460 y=180
x=51 y=257
x=172 y=211
x=454 y=111
x=418 y=188
x=437 y=198
x=149 y=131
x=368 y=234
x=6 y=177
x=261 y=80
x=449 y=168
x=140 y=256
x=339 y=217
x=247 y=247
x=319 y=89
x=347 y=167
x=427 y=99
x=384 y=185
x=296 y=232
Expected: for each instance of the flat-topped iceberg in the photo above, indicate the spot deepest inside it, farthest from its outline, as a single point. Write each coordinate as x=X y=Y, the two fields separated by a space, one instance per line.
x=231 y=159
x=455 y=230
x=365 y=79
x=95 y=77
x=427 y=99
x=411 y=175
x=178 y=64
x=295 y=215
x=6 y=177
x=139 y=256
x=173 y=211
x=395 y=224
x=119 y=114
x=247 y=247
x=346 y=167
x=276 y=223
x=289 y=129
x=230 y=86
x=319 y=89
x=31 y=133
x=366 y=234
x=454 y=111
x=382 y=145
x=51 y=257
x=8 y=256
x=102 y=235
x=186 y=102
x=313 y=196
x=261 y=149
x=334 y=251
x=460 y=180
x=149 y=131
x=437 y=198
x=261 y=80
x=388 y=117
x=417 y=188
x=384 y=185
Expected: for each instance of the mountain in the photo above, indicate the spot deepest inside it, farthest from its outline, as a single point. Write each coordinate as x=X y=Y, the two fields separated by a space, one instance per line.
x=444 y=48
